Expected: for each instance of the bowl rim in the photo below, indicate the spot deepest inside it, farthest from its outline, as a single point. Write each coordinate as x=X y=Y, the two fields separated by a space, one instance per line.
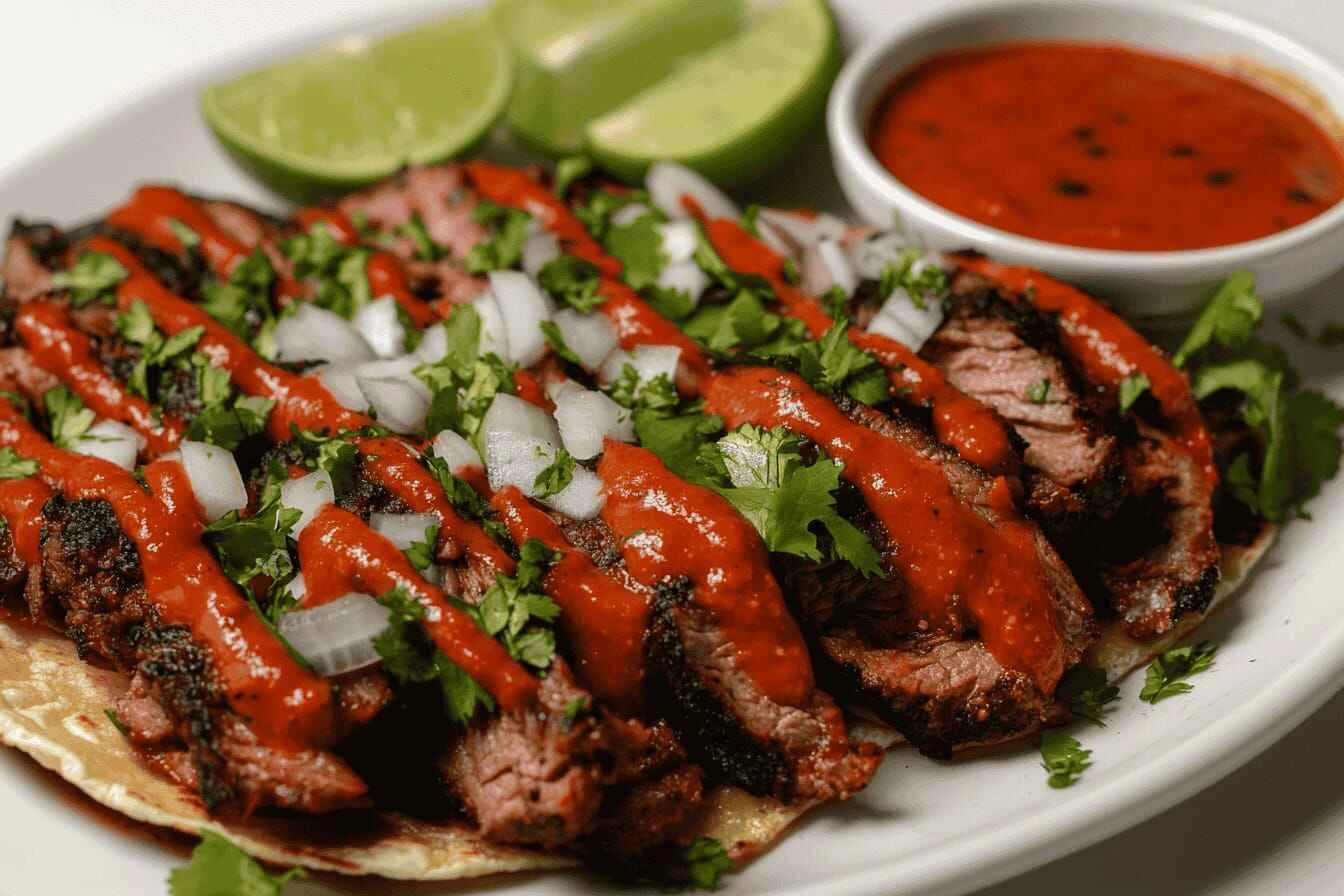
x=846 y=128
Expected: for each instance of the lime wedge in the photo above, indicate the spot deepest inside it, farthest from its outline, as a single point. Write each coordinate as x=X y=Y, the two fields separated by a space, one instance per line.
x=348 y=114
x=735 y=110
x=577 y=59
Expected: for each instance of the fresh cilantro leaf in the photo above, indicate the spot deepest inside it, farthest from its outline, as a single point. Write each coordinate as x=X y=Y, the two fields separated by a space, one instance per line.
x=706 y=862
x=69 y=419
x=516 y=613
x=465 y=499
x=791 y=273
x=228 y=423
x=1313 y=424
x=1227 y=320
x=923 y=283
x=1262 y=409
x=12 y=466
x=685 y=444
x=189 y=238
x=575 y=710
x=219 y=868
x=336 y=454
x=750 y=219
x=831 y=363
x=656 y=394
x=252 y=546
x=421 y=553
x=744 y=321
x=639 y=246
x=342 y=282
x=713 y=264
x=425 y=247
x=1039 y=391
x=556 y=340
x=673 y=304
x=568 y=170
x=93 y=276
x=557 y=475
x=1087 y=693
x=504 y=248
x=1131 y=387
x=601 y=205
x=571 y=281
x=410 y=657
x=1063 y=757
x=786 y=501
x=1167 y=673
x=243 y=304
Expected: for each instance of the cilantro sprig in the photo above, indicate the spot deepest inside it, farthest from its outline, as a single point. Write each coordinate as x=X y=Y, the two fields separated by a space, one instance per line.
x=1064 y=758
x=338 y=269
x=218 y=866
x=68 y=418
x=503 y=249
x=12 y=466
x=1167 y=674
x=1297 y=445
x=706 y=862
x=92 y=277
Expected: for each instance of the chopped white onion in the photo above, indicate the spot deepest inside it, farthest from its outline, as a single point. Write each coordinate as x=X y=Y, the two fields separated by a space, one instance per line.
x=494 y=339
x=515 y=459
x=403 y=529
x=538 y=249
x=772 y=238
x=523 y=307
x=340 y=382
x=381 y=327
x=402 y=368
x=311 y=333
x=399 y=403
x=336 y=637
x=679 y=236
x=667 y=182
x=112 y=441
x=629 y=214
x=214 y=477
x=433 y=343
x=805 y=231
x=586 y=418
x=876 y=251
x=901 y=319
x=297 y=587
x=510 y=415
x=556 y=388
x=308 y=495
x=455 y=451
x=684 y=276
x=837 y=262
x=582 y=499
x=590 y=336
x=649 y=361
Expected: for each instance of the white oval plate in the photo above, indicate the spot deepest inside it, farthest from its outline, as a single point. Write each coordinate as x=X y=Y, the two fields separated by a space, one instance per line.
x=922 y=827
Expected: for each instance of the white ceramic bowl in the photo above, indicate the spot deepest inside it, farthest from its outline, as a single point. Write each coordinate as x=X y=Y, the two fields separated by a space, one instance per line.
x=1150 y=284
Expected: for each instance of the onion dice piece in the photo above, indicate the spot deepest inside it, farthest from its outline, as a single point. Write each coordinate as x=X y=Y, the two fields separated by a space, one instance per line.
x=667 y=182
x=590 y=336
x=214 y=478
x=311 y=333
x=381 y=327
x=308 y=495
x=112 y=441
x=523 y=307
x=336 y=637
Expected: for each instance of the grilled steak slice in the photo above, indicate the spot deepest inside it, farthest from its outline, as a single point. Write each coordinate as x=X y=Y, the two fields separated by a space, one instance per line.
x=32 y=253
x=1159 y=560
x=89 y=582
x=1006 y=355
x=735 y=731
x=536 y=776
x=938 y=685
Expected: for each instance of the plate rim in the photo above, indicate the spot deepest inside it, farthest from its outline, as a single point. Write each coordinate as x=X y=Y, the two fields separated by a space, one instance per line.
x=971 y=861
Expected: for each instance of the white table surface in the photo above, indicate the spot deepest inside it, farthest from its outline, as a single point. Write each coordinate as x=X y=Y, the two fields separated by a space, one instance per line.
x=1274 y=827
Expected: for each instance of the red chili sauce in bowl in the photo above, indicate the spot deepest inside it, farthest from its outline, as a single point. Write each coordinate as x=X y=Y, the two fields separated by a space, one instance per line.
x=1105 y=147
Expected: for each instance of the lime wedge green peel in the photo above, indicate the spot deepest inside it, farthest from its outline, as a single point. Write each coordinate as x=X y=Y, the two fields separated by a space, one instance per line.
x=735 y=110
x=577 y=59
x=351 y=113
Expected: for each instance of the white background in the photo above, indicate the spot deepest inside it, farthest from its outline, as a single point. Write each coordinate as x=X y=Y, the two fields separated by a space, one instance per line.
x=1275 y=827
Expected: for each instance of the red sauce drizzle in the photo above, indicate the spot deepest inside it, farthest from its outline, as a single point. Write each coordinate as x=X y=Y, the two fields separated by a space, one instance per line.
x=338 y=553
x=261 y=680
x=1105 y=146
x=513 y=187
x=167 y=481
x=60 y=348
x=302 y=401
x=669 y=528
x=973 y=430
x=603 y=615
x=335 y=220
x=638 y=324
x=21 y=502
x=150 y=213
x=396 y=466
x=1108 y=350
x=949 y=556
